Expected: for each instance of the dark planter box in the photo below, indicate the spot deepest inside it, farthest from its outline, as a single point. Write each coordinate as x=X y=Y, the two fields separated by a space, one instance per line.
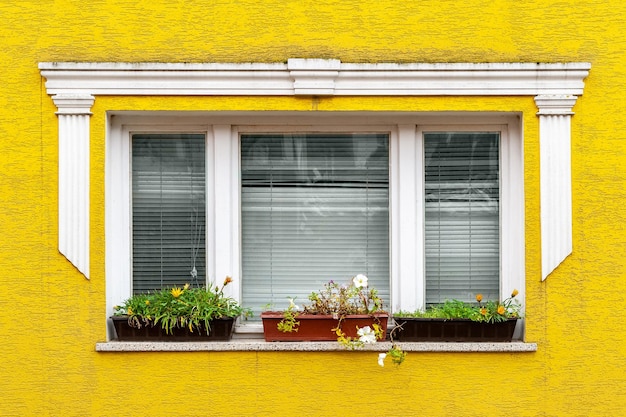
x=317 y=327
x=220 y=329
x=453 y=330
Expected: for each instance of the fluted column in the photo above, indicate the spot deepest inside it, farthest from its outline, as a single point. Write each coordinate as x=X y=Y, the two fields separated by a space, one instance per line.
x=555 y=113
x=73 y=113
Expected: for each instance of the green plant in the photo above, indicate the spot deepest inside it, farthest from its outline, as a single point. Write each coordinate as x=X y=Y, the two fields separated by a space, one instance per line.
x=289 y=323
x=489 y=311
x=181 y=307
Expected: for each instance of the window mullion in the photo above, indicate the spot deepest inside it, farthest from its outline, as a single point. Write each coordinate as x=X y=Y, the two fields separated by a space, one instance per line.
x=407 y=222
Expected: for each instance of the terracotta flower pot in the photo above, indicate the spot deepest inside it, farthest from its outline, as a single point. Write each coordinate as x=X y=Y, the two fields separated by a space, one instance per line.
x=315 y=327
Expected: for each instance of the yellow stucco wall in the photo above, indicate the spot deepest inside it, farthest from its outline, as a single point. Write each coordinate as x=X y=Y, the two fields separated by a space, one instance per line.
x=51 y=317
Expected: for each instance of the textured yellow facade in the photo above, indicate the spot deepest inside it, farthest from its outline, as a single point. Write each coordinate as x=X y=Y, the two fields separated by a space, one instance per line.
x=51 y=317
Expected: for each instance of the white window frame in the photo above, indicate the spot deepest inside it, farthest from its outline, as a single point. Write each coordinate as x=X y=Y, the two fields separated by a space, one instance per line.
x=406 y=189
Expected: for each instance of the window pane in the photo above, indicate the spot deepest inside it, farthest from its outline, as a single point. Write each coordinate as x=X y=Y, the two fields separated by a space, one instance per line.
x=315 y=208
x=168 y=195
x=462 y=216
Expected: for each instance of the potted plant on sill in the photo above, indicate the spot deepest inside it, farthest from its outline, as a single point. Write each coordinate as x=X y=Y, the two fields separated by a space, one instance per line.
x=335 y=308
x=178 y=314
x=351 y=314
x=458 y=321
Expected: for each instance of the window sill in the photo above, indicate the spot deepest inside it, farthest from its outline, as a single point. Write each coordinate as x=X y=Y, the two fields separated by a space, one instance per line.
x=256 y=345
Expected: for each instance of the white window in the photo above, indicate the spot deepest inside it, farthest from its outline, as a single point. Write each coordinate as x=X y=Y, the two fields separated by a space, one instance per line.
x=314 y=208
x=429 y=206
x=168 y=210
x=461 y=215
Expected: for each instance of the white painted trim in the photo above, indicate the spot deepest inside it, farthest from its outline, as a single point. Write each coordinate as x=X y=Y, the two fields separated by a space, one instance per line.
x=73 y=112
x=556 y=180
x=556 y=87
x=513 y=241
x=226 y=199
x=117 y=222
x=407 y=190
x=314 y=77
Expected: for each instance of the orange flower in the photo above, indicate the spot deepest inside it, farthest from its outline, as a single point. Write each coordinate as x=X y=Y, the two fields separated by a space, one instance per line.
x=227 y=280
x=501 y=310
x=479 y=297
x=483 y=311
x=514 y=293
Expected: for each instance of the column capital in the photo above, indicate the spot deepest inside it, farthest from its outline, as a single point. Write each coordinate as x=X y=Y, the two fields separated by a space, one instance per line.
x=79 y=104
x=550 y=105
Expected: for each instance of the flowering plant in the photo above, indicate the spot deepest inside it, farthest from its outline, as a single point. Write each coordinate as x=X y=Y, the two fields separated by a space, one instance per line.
x=181 y=307
x=489 y=311
x=340 y=301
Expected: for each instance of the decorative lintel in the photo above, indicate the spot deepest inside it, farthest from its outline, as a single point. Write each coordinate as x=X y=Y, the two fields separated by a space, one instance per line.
x=315 y=77
x=554 y=86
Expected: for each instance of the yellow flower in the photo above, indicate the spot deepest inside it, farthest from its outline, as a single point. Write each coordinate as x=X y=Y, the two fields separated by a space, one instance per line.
x=147 y=302
x=227 y=280
x=176 y=292
x=186 y=287
x=479 y=297
x=483 y=311
x=501 y=310
x=514 y=293
x=130 y=311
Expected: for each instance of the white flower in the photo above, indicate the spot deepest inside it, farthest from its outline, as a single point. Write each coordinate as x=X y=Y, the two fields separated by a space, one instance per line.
x=381 y=359
x=366 y=335
x=292 y=305
x=360 y=281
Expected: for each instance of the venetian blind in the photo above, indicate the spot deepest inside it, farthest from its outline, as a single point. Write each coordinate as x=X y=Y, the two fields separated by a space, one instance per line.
x=462 y=216
x=315 y=208
x=168 y=199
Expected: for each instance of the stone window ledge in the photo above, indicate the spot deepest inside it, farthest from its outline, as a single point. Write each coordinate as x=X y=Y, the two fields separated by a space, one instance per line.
x=256 y=345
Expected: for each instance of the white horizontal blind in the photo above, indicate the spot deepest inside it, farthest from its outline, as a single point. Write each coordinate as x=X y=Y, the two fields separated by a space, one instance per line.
x=462 y=216
x=168 y=198
x=315 y=208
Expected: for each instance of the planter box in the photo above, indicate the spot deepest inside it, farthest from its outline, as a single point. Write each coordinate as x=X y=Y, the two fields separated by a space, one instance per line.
x=220 y=329
x=315 y=327
x=452 y=330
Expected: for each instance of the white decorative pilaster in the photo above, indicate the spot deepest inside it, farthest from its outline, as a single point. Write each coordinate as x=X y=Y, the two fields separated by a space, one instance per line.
x=555 y=113
x=73 y=113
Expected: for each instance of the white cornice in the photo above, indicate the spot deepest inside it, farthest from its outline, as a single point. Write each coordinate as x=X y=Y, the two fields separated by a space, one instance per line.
x=555 y=87
x=314 y=77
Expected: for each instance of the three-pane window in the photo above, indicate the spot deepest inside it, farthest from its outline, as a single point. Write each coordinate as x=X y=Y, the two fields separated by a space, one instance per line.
x=427 y=212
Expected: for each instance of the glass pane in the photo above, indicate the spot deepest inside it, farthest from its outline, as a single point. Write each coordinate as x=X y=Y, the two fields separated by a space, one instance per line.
x=315 y=208
x=168 y=196
x=462 y=216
